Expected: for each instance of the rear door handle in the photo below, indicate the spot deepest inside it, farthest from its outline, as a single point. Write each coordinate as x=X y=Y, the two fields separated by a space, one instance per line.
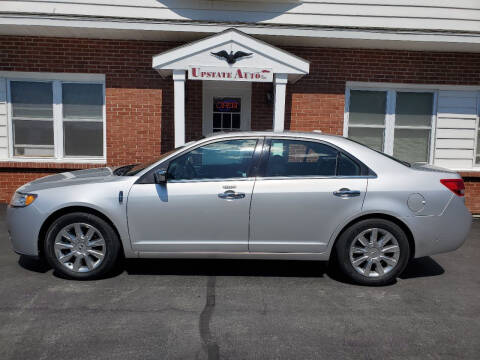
x=346 y=193
x=231 y=195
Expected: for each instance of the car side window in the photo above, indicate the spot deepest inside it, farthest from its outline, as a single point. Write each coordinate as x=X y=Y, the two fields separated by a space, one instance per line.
x=300 y=158
x=219 y=160
x=347 y=166
x=307 y=158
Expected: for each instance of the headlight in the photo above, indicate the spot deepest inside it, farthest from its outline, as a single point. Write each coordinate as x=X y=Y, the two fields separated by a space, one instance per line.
x=22 y=200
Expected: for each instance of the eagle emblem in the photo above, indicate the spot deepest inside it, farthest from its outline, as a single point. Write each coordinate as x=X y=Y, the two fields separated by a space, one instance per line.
x=232 y=57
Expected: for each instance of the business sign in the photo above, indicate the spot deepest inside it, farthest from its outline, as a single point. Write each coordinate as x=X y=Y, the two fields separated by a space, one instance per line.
x=226 y=104
x=230 y=74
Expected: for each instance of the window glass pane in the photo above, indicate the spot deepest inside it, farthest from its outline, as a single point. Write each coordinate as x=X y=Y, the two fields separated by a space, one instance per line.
x=414 y=109
x=367 y=107
x=371 y=137
x=347 y=166
x=83 y=138
x=217 y=120
x=220 y=160
x=33 y=138
x=411 y=145
x=236 y=121
x=301 y=158
x=226 y=121
x=84 y=101
x=31 y=99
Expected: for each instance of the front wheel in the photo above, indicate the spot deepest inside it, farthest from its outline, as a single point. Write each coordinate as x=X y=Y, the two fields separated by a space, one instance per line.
x=82 y=246
x=373 y=252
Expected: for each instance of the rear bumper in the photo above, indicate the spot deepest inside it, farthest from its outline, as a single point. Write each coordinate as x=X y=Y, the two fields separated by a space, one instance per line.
x=443 y=233
x=23 y=225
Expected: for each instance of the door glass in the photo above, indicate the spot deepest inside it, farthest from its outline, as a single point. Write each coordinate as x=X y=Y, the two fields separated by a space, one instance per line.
x=347 y=167
x=301 y=158
x=220 y=160
x=226 y=114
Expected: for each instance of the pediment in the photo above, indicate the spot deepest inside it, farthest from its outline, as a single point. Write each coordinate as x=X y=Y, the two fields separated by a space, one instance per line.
x=219 y=51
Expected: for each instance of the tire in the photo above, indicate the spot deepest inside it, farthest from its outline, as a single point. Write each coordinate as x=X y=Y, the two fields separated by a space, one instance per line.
x=85 y=237
x=369 y=262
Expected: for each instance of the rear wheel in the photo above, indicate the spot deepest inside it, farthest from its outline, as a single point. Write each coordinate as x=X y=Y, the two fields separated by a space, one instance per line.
x=82 y=246
x=373 y=252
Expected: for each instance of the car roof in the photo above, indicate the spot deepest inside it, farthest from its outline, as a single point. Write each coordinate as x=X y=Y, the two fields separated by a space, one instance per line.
x=310 y=134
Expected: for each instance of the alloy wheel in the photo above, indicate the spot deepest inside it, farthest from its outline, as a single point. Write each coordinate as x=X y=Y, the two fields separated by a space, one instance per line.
x=80 y=247
x=374 y=252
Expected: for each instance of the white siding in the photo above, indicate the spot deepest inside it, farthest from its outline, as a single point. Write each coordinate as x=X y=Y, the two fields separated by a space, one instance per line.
x=459 y=15
x=456 y=129
x=3 y=120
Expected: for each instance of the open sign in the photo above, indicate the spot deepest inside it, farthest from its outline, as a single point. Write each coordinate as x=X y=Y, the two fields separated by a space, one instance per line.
x=226 y=105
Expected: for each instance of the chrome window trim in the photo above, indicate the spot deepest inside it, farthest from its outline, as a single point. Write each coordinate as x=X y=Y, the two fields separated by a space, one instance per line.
x=313 y=177
x=251 y=178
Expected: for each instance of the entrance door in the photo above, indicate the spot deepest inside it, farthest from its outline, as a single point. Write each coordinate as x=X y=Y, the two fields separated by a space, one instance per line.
x=226 y=106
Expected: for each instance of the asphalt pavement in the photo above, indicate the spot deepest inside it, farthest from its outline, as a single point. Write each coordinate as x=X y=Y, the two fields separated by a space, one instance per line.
x=234 y=309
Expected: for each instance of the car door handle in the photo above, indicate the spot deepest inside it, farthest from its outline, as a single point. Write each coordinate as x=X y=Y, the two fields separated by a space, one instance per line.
x=346 y=193
x=231 y=195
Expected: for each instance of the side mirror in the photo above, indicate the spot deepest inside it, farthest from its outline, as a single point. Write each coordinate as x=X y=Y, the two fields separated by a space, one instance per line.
x=160 y=176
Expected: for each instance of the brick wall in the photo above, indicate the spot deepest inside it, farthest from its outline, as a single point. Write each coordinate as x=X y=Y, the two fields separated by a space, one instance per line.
x=140 y=103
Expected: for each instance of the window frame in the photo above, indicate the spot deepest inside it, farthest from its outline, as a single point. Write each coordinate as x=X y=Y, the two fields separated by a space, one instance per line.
x=390 y=114
x=147 y=178
x=58 y=135
x=365 y=170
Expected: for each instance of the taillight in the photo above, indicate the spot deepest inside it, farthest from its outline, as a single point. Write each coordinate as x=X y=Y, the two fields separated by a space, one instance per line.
x=455 y=185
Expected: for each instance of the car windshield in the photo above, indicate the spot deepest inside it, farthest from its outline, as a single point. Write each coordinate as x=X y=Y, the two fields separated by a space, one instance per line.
x=133 y=169
x=403 y=162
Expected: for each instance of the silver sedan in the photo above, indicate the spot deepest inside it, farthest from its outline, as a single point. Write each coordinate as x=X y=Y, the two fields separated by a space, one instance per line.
x=255 y=195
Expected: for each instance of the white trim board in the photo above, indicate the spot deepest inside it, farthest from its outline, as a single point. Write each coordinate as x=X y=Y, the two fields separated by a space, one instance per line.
x=49 y=76
x=171 y=30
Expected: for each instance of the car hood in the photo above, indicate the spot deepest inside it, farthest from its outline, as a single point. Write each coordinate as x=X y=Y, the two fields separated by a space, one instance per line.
x=77 y=177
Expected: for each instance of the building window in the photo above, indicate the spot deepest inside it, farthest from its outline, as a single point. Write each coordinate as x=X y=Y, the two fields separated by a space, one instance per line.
x=367 y=117
x=32 y=118
x=226 y=114
x=82 y=119
x=57 y=119
x=396 y=122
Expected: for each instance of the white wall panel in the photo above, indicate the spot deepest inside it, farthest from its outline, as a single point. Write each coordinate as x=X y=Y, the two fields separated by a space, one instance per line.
x=456 y=129
x=455 y=144
x=458 y=123
x=454 y=153
x=454 y=163
x=461 y=15
x=3 y=119
x=455 y=134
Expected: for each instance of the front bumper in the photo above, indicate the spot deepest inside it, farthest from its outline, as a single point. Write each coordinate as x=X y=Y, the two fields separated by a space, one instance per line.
x=23 y=226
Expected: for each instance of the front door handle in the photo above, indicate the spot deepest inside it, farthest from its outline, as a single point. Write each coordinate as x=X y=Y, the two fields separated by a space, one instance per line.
x=346 y=193
x=231 y=195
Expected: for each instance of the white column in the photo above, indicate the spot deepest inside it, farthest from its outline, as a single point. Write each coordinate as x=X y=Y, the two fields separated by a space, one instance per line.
x=280 y=90
x=179 y=106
